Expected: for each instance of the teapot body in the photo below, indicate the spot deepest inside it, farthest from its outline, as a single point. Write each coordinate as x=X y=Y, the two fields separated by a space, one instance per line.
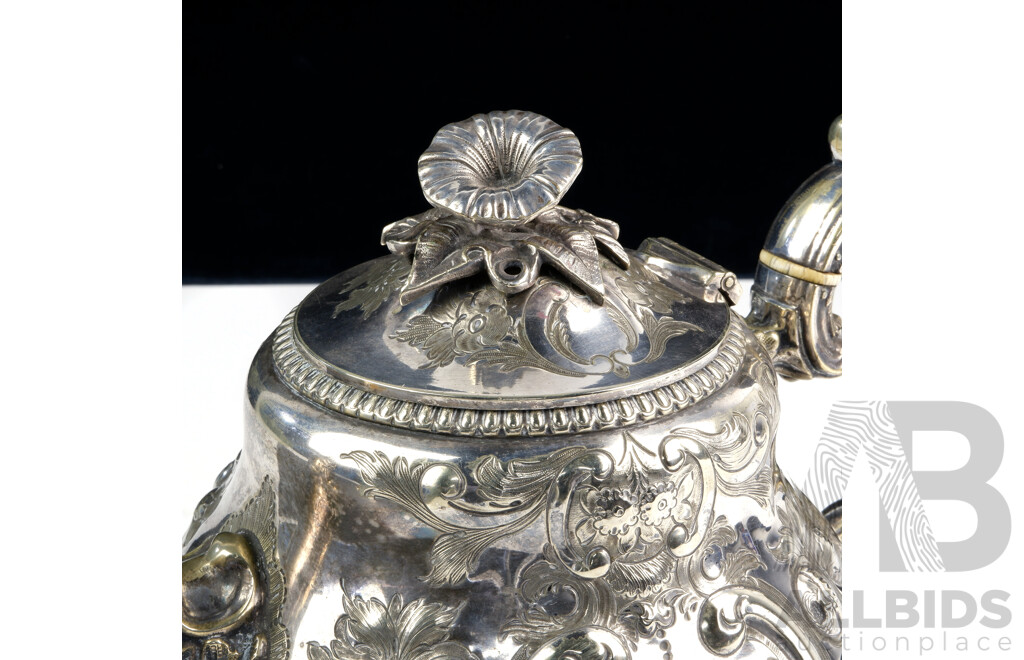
x=513 y=438
x=673 y=537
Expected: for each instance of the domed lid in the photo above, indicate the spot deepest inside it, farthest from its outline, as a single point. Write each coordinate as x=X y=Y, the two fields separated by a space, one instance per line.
x=498 y=299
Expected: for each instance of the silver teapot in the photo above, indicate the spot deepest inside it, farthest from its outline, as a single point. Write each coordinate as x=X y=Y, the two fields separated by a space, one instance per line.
x=514 y=438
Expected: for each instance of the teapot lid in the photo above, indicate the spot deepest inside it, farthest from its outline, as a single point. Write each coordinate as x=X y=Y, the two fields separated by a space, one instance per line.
x=500 y=312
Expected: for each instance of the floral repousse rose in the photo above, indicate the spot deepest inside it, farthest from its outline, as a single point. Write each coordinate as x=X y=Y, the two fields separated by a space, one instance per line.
x=639 y=512
x=610 y=512
x=669 y=499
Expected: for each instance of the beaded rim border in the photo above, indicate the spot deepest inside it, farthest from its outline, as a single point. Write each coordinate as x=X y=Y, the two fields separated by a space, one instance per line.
x=311 y=382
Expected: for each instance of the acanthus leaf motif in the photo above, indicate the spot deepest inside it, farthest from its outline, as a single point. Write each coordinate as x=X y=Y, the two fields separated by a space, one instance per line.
x=372 y=287
x=645 y=290
x=556 y=329
x=628 y=506
x=659 y=331
x=372 y=630
x=518 y=485
x=446 y=246
x=571 y=248
x=435 y=263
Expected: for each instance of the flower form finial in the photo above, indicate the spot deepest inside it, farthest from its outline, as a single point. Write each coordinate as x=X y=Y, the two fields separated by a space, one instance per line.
x=495 y=181
x=502 y=167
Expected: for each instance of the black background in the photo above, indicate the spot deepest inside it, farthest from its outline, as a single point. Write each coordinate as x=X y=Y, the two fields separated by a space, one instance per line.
x=303 y=121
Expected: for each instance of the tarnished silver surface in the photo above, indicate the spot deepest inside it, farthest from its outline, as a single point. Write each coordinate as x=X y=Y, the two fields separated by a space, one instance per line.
x=473 y=471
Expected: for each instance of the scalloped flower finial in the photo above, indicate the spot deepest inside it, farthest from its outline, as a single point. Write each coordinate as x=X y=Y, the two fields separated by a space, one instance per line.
x=500 y=168
x=495 y=181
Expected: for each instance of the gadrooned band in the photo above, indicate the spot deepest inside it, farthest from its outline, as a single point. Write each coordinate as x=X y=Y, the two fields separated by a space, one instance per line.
x=306 y=379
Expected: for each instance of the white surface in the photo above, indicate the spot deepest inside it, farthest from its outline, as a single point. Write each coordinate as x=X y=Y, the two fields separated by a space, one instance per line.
x=223 y=326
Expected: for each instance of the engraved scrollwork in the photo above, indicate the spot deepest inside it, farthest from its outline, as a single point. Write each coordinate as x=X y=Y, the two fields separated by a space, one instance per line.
x=460 y=326
x=588 y=471
x=373 y=630
x=740 y=448
x=645 y=516
x=626 y=520
x=628 y=617
x=737 y=614
x=719 y=561
x=809 y=546
x=592 y=604
x=644 y=290
x=475 y=325
x=478 y=326
x=631 y=540
x=518 y=488
x=590 y=643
